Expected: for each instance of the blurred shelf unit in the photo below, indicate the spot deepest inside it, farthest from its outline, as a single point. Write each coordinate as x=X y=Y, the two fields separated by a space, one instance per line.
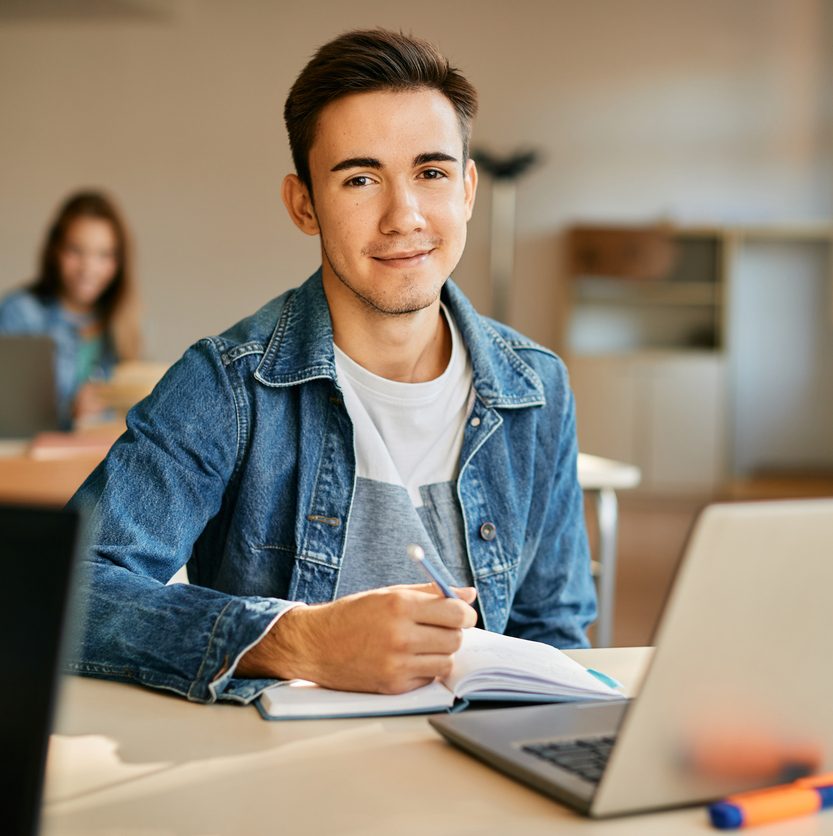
x=635 y=288
x=702 y=353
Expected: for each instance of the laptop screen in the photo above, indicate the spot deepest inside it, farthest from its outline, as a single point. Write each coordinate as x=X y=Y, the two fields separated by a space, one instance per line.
x=37 y=547
x=29 y=404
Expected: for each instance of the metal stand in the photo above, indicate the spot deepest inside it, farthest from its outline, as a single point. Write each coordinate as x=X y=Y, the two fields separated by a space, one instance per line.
x=504 y=172
x=607 y=519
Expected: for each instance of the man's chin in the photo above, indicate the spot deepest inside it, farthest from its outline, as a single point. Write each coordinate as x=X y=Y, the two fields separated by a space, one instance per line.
x=413 y=294
x=407 y=301
x=399 y=307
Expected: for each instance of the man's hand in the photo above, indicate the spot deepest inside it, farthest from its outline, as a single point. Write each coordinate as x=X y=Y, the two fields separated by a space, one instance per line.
x=386 y=640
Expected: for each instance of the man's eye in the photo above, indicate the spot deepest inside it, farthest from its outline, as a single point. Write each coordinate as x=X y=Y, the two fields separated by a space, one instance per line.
x=359 y=180
x=432 y=174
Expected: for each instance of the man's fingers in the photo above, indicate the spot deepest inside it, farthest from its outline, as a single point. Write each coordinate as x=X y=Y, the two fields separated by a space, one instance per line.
x=446 y=612
x=426 y=640
x=430 y=666
x=466 y=593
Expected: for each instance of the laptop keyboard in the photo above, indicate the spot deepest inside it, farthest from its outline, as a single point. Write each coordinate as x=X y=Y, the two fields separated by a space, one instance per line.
x=586 y=757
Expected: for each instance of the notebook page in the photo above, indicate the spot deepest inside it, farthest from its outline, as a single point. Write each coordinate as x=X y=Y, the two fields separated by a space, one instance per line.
x=490 y=661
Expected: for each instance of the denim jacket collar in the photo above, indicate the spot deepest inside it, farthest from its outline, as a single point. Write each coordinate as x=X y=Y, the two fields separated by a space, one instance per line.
x=301 y=348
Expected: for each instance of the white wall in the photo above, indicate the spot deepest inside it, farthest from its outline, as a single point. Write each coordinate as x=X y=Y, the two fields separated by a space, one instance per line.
x=705 y=111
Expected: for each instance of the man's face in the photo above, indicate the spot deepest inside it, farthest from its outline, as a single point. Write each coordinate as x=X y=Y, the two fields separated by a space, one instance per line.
x=391 y=197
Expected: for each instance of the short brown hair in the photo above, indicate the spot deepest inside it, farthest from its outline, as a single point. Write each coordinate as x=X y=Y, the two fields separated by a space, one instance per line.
x=363 y=61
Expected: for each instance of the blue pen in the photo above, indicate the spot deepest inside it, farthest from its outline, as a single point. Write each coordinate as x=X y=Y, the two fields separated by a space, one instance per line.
x=417 y=554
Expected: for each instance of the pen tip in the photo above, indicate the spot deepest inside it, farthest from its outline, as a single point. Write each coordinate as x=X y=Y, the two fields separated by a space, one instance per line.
x=415 y=552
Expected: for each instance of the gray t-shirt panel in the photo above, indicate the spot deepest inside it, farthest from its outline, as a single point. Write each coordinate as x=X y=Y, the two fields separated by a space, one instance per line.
x=384 y=522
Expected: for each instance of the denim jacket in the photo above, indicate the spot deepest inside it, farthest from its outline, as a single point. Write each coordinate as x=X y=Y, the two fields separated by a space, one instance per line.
x=241 y=464
x=22 y=312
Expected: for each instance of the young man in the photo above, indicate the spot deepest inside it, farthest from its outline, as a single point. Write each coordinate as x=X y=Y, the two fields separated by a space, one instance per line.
x=291 y=460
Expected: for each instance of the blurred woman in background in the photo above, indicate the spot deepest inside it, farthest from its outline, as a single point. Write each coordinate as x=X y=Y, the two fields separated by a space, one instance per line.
x=84 y=298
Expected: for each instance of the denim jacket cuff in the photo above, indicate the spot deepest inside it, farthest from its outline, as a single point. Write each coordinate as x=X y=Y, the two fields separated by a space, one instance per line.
x=242 y=623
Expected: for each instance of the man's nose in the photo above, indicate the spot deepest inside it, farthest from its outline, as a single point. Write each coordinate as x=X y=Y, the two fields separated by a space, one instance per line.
x=402 y=214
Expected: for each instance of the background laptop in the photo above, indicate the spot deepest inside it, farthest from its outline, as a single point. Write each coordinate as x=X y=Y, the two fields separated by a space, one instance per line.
x=28 y=403
x=37 y=553
x=738 y=694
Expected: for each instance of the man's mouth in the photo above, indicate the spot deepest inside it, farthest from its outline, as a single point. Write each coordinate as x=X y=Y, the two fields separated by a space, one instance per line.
x=404 y=258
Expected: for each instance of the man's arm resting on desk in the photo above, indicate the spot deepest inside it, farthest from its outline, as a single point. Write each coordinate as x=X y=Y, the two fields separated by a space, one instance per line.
x=386 y=640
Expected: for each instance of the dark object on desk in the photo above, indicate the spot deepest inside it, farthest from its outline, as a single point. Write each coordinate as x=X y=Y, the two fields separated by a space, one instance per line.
x=37 y=555
x=28 y=402
x=737 y=696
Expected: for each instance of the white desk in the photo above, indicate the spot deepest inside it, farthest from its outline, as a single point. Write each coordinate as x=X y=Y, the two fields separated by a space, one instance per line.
x=602 y=478
x=129 y=760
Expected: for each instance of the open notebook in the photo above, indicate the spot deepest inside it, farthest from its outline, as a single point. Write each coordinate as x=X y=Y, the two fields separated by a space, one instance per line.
x=488 y=666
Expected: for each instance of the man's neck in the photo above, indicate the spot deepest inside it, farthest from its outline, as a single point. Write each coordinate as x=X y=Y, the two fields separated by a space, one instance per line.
x=410 y=348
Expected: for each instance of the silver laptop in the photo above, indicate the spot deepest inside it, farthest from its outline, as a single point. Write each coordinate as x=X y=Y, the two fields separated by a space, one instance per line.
x=739 y=693
x=28 y=403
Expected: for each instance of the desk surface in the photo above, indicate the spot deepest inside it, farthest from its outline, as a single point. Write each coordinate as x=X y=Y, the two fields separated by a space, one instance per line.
x=126 y=759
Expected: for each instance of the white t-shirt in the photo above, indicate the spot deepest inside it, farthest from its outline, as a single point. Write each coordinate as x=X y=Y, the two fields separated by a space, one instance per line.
x=409 y=434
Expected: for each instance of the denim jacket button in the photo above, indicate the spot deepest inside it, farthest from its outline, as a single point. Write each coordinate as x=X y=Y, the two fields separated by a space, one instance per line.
x=475 y=422
x=488 y=531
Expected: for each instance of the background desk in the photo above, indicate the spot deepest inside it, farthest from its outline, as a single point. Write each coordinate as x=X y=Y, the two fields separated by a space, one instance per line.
x=27 y=480
x=51 y=474
x=129 y=760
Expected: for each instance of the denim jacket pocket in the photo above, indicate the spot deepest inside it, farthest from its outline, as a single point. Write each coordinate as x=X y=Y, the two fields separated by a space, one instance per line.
x=496 y=591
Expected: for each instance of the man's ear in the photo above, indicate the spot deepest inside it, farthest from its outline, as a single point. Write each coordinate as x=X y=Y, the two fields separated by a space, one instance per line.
x=470 y=186
x=298 y=202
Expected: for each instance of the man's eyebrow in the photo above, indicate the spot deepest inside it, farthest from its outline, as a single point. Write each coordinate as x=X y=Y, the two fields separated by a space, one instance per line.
x=372 y=162
x=357 y=162
x=433 y=157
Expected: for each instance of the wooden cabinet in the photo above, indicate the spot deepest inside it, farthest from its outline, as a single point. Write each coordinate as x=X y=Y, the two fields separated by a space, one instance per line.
x=665 y=291
x=700 y=354
x=663 y=411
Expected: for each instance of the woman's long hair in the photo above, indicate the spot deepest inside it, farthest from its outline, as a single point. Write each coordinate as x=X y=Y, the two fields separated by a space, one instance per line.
x=118 y=305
